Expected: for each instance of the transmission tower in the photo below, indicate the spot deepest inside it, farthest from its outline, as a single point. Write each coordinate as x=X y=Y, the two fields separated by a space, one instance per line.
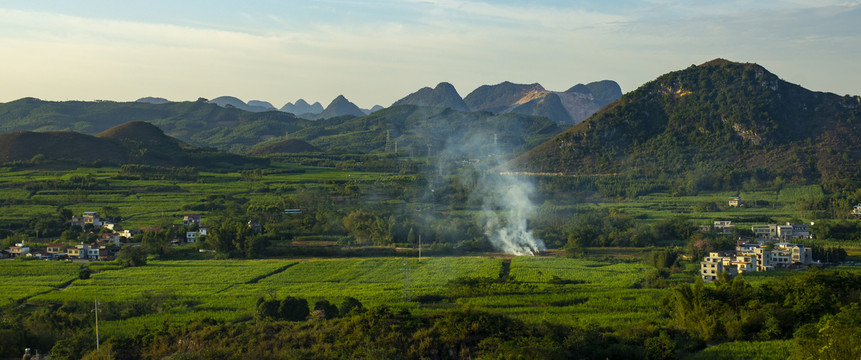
x=388 y=139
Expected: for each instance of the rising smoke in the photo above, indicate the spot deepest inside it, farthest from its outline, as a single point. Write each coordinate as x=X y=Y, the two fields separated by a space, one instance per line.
x=505 y=198
x=507 y=206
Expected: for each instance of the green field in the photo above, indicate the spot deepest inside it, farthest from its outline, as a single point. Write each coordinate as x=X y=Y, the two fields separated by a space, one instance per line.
x=145 y=202
x=21 y=280
x=227 y=290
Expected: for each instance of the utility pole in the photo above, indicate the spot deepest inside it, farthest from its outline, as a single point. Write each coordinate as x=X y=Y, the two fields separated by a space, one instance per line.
x=96 y=310
x=420 y=247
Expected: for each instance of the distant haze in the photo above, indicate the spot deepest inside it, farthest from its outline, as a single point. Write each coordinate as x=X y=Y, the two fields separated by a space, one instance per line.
x=376 y=52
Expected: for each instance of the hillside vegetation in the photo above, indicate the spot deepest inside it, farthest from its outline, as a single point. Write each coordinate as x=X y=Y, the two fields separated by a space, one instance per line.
x=720 y=120
x=135 y=142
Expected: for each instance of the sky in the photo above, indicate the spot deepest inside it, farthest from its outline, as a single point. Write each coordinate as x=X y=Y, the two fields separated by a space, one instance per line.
x=376 y=52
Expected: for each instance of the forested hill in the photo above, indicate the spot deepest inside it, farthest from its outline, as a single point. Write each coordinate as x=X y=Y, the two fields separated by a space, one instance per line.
x=198 y=122
x=717 y=120
x=135 y=142
x=201 y=123
x=414 y=128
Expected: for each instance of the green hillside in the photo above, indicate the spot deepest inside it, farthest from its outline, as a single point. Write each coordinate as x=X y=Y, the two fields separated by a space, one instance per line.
x=199 y=123
x=203 y=124
x=414 y=127
x=721 y=120
x=135 y=142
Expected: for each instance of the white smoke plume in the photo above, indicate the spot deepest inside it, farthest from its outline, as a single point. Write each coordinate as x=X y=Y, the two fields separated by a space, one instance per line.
x=505 y=199
x=507 y=206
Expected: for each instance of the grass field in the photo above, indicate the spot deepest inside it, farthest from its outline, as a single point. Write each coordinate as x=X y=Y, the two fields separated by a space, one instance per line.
x=227 y=290
x=747 y=350
x=143 y=202
x=20 y=280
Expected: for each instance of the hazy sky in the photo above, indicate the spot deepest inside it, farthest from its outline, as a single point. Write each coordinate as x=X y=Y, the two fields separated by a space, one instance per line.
x=375 y=52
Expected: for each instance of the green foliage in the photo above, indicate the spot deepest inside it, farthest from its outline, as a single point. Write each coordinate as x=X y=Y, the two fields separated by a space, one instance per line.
x=663 y=259
x=719 y=125
x=351 y=305
x=836 y=336
x=661 y=347
x=132 y=256
x=736 y=311
x=325 y=309
x=84 y=274
x=229 y=236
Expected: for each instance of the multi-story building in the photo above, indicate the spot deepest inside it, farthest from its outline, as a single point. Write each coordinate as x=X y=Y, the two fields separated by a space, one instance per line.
x=715 y=264
x=786 y=232
x=89 y=217
x=749 y=257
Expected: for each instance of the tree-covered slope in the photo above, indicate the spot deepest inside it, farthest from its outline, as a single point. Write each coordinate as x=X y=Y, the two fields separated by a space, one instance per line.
x=720 y=117
x=135 y=142
x=198 y=123
x=412 y=128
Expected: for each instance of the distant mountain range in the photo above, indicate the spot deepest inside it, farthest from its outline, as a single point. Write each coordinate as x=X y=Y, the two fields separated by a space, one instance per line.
x=443 y=95
x=717 y=122
x=340 y=106
x=134 y=142
x=720 y=121
x=302 y=108
x=565 y=108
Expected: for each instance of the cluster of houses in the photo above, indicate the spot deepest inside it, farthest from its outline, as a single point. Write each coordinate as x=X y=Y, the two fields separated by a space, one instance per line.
x=770 y=249
x=106 y=246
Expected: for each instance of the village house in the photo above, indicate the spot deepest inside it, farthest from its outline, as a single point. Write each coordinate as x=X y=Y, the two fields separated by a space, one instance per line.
x=723 y=227
x=749 y=257
x=714 y=265
x=113 y=238
x=786 y=232
x=191 y=219
x=734 y=201
x=41 y=255
x=20 y=249
x=91 y=252
x=856 y=210
x=79 y=251
x=89 y=217
x=56 y=248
